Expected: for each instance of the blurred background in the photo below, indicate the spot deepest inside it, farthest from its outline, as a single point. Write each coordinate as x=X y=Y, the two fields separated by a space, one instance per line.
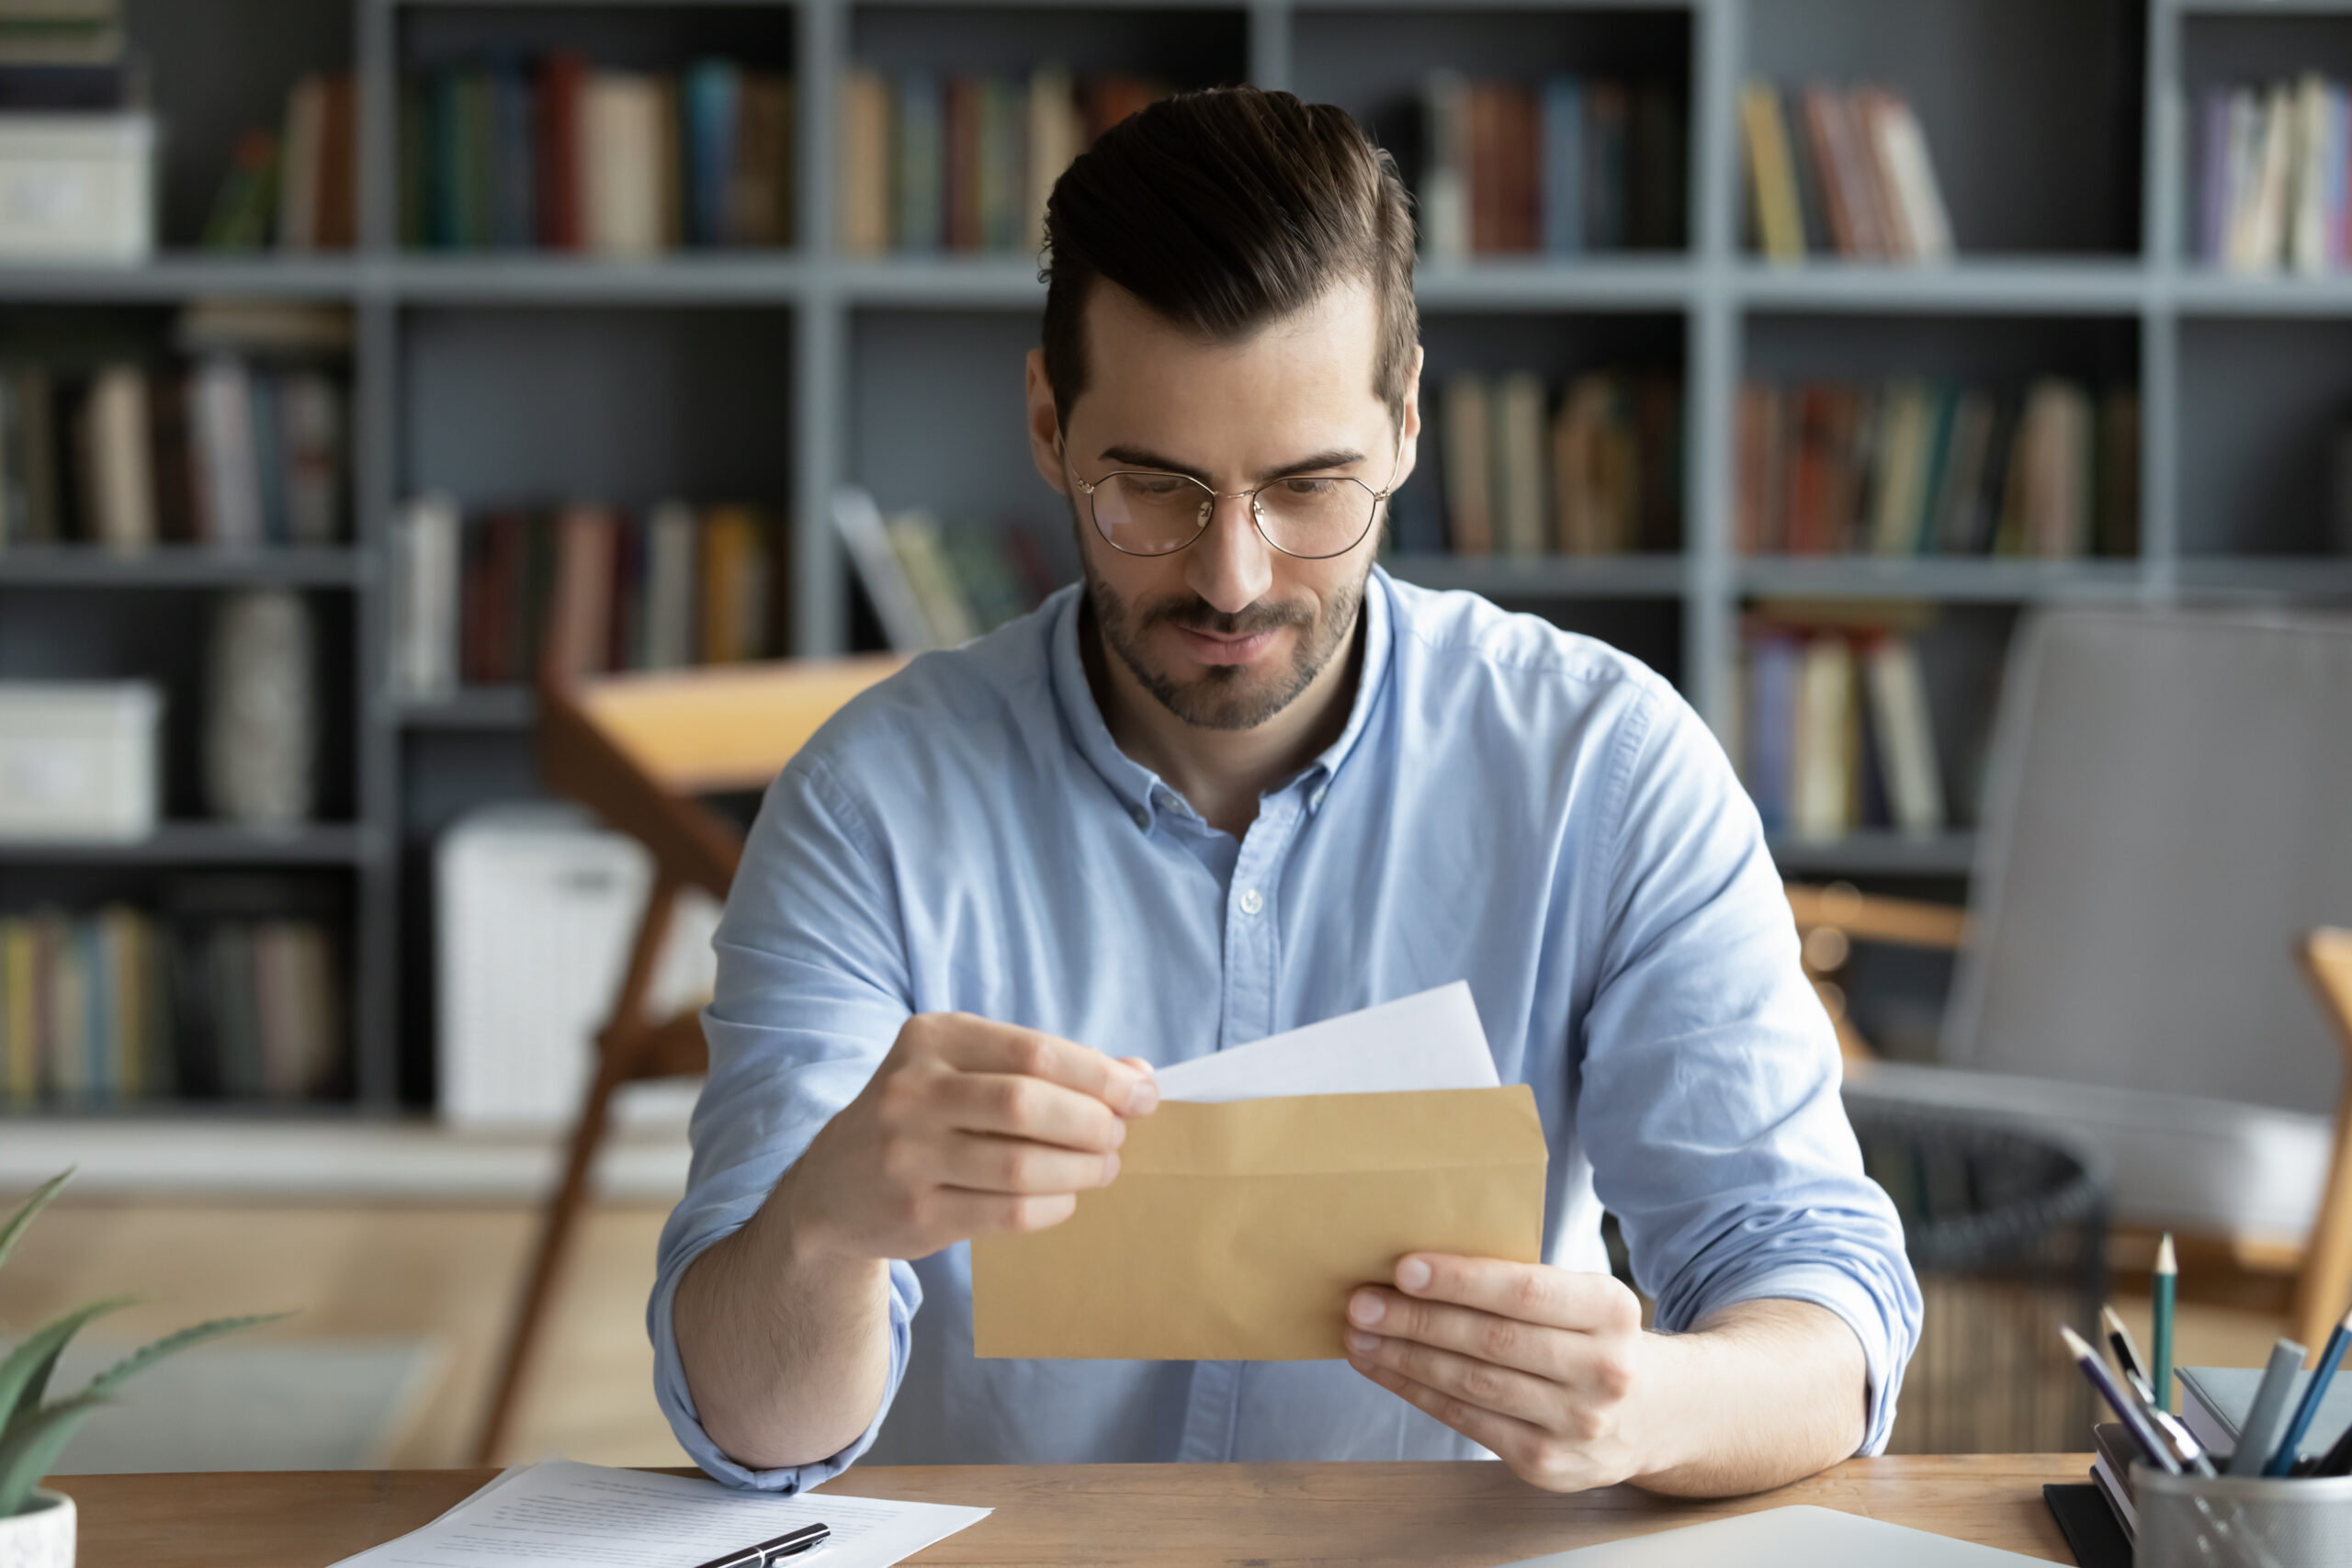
x=1952 y=399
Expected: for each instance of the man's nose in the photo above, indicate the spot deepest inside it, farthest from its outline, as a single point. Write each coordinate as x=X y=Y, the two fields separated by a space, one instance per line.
x=1230 y=565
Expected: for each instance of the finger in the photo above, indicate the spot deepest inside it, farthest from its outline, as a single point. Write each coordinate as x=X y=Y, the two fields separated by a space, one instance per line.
x=985 y=1163
x=1016 y=1107
x=1505 y=1436
x=1503 y=1390
x=1531 y=1292
x=1552 y=1354
x=978 y=1045
x=950 y=1214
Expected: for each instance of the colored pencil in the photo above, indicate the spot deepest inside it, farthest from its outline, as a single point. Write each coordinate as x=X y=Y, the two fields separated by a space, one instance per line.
x=2127 y=1409
x=2283 y=1461
x=2167 y=1276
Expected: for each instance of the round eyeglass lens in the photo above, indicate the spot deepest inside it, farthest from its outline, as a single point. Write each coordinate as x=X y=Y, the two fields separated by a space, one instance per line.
x=1151 y=514
x=1315 y=516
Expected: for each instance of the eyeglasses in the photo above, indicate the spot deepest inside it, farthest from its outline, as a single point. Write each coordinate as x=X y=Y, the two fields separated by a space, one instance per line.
x=1314 y=517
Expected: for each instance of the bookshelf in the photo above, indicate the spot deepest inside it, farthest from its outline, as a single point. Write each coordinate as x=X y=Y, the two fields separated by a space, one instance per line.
x=779 y=374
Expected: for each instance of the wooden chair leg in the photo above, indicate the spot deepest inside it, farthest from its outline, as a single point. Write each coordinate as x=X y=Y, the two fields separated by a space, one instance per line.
x=618 y=1062
x=2325 y=1284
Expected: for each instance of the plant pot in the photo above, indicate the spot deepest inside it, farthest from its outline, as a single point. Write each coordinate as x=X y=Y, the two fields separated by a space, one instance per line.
x=42 y=1539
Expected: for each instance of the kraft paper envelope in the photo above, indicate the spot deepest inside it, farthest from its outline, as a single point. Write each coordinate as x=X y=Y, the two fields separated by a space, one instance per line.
x=1234 y=1232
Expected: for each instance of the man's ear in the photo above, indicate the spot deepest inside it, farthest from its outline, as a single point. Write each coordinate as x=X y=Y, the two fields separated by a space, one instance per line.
x=1408 y=431
x=1044 y=424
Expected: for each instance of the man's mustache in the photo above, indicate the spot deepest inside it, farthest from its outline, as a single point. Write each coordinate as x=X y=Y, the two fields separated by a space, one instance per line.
x=1196 y=615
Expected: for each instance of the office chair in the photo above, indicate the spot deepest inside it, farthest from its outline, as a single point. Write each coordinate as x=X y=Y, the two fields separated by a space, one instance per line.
x=2166 y=813
x=640 y=751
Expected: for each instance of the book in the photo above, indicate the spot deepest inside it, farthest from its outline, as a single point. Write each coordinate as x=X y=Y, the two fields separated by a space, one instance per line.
x=668 y=641
x=1904 y=735
x=580 y=615
x=224 y=457
x=865 y=163
x=2111 y=1469
x=915 y=540
x=1561 y=141
x=426 y=563
x=116 y=460
x=732 y=615
x=921 y=161
x=629 y=183
x=1772 y=181
x=905 y=623
x=1055 y=136
x=1519 y=514
x=560 y=222
x=303 y=164
x=1469 y=467
x=1824 y=789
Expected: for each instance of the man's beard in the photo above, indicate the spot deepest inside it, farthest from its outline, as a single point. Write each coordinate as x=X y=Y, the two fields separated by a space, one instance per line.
x=1229 y=696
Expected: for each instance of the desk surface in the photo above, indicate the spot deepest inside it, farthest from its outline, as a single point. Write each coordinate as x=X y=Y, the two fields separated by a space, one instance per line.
x=1155 y=1515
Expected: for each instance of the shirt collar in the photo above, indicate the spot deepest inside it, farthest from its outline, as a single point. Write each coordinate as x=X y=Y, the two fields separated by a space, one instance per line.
x=1137 y=786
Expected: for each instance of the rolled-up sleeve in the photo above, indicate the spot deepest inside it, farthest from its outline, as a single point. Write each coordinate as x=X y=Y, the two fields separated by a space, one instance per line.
x=1708 y=1088
x=811 y=991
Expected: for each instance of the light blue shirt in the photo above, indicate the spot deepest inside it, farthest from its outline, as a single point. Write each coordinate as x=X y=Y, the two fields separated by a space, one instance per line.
x=1509 y=803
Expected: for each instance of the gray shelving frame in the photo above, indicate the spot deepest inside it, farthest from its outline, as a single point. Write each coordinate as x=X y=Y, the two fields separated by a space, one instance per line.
x=1715 y=290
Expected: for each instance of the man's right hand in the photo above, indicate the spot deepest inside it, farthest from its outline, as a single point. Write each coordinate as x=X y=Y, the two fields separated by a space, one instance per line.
x=968 y=1128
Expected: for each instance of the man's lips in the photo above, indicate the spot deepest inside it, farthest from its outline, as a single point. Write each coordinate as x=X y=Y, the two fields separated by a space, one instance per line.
x=1225 y=648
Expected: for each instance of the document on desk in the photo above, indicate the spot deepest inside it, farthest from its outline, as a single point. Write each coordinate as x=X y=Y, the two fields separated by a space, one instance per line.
x=586 y=1514
x=1273 y=1179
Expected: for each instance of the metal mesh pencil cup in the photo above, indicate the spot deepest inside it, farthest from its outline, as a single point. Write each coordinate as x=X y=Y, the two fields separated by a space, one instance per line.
x=2186 y=1521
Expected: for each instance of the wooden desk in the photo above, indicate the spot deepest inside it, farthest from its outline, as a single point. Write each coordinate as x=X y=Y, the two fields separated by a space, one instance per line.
x=1147 y=1515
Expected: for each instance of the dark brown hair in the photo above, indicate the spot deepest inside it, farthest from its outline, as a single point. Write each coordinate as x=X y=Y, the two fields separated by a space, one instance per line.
x=1226 y=211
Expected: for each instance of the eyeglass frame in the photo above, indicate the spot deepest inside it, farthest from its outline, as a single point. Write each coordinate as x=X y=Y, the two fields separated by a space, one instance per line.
x=1090 y=486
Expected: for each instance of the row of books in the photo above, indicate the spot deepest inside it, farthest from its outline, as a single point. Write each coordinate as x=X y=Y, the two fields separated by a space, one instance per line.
x=2274 y=177
x=518 y=594
x=120 y=1004
x=224 y=451
x=1572 y=165
x=1835 y=732
x=1599 y=473
x=555 y=153
x=297 y=188
x=932 y=162
x=60 y=32
x=1843 y=173
x=1923 y=468
x=935 y=584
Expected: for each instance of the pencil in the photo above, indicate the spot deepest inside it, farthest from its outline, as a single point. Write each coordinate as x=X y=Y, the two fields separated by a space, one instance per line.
x=2167 y=1276
x=2127 y=1354
x=2127 y=1409
x=2282 y=1463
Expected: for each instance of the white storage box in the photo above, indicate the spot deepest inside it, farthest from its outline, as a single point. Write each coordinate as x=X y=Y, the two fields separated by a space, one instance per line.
x=78 y=759
x=535 y=906
x=77 y=187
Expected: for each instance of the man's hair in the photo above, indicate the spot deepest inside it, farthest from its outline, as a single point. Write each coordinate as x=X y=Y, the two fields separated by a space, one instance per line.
x=1224 y=211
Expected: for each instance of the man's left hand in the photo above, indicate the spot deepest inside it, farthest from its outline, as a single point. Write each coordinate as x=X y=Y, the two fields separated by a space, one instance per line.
x=1545 y=1367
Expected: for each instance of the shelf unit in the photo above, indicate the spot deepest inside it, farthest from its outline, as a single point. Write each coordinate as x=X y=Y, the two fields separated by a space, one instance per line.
x=784 y=374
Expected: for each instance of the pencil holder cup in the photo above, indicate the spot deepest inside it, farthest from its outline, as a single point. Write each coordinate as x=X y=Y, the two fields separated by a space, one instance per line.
x=2188 y=1521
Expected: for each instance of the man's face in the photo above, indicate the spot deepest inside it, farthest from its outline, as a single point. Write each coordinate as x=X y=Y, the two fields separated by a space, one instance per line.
x=1228 y=631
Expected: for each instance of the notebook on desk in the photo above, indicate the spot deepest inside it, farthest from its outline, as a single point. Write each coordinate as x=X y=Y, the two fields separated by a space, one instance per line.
x=1798 y=1537
x=2214 y=1400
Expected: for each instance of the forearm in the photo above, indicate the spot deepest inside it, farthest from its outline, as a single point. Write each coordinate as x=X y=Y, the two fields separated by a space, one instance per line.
x=788 y=1355
x=1762 y=1393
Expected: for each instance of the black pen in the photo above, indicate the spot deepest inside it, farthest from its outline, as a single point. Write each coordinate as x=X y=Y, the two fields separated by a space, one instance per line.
x=792 y=1543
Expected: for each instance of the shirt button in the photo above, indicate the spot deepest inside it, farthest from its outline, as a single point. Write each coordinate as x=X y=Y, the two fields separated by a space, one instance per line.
x=1143 y=817
x=1252 y=903
x=1315 y=801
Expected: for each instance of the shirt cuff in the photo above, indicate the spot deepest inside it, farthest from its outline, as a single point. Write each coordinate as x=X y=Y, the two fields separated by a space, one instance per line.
x=677 y=1403
x=1860 y=1308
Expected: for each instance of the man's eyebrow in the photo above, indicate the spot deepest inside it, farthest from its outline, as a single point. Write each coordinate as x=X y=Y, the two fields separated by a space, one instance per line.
x=1127 y=456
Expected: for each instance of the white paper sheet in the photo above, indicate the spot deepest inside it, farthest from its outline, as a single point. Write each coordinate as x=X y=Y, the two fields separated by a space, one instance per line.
x=585 y=1514
x=1429 y=1040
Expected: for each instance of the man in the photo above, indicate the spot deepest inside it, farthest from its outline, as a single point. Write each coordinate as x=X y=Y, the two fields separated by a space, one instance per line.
x=1241 y=782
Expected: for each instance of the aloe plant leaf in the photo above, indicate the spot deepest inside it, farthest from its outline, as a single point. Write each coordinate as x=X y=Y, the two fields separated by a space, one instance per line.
x=23 y=1218
x=28 y=1451
x=146 y=1355
x=24 y=1375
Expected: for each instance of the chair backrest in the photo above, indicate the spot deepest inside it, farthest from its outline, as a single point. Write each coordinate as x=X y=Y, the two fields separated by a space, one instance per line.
x=639 y=749
x=2169 y=809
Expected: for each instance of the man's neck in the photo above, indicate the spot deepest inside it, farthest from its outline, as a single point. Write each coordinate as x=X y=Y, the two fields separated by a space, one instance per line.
x=1221 y=772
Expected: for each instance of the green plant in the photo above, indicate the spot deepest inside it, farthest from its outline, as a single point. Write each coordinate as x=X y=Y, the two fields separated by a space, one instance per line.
x=32 y=1434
